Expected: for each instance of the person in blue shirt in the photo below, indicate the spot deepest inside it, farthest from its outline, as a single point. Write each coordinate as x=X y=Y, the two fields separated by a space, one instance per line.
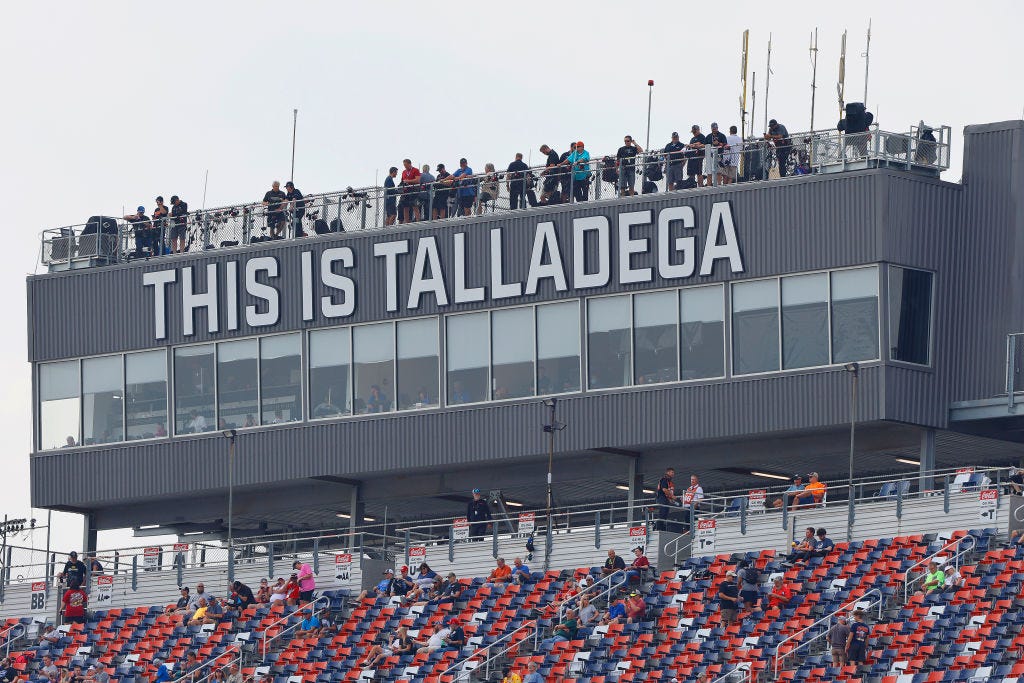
x=616 y=612
x=857 y=641
x=520 y=571
x=822 y=544
x=466 y=185
x=310 y=625
x=163 y=674
x=579 y=161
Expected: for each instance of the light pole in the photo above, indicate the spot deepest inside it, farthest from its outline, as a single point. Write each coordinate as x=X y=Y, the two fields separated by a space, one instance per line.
x=854 y=370
x=650 y=95
x=230 y=435
x=550 y=429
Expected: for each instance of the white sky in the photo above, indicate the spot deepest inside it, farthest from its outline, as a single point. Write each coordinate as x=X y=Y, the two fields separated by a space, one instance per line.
x=108 y=104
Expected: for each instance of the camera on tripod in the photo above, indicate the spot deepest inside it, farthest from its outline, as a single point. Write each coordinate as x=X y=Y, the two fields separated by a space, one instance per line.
x=355 y=199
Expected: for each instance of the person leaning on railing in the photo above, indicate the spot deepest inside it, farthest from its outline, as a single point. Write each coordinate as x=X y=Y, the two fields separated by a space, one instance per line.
x=579 y=162
x=179 y=224
x=779 y=136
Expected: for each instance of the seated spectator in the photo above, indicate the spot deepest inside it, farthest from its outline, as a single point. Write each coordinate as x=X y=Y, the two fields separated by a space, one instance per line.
x=48 y=668
x=214 y=611
x=501 y=573
x=309 y=626
x=532 y=673
x=567 y=596
x=780 y=593
x=636 y=608
x=377 y=401
x=587 y=612
x=813 y=493
x=50 y=636
x=613 y=564
x=185 y=603
x=403 y=583
x=793 y=492
x=566 y=629
x=954 y=579
x=511 y=676
x=823 y=545
x=279 y=591
x=292 y=590
x=97 y=674
x=520 y=571
x=383 y=588
x=728 y=597
x=449 y=592
x=802 y=549
x=616 y=612
x=199 y=615
x=384 y=648
x=1015 y=482
x=934 y=579
x=234 y=674
x=8 y=674
x=263 y=592
x=423 y=582
x=242 y=594
x=163 y=671
x=73 y=675
x=457 y=638
x=437 y=640
x=640 y=566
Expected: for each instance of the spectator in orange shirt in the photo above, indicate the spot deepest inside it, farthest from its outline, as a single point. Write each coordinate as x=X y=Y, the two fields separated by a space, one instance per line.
x=501 y=573
x=813 y=493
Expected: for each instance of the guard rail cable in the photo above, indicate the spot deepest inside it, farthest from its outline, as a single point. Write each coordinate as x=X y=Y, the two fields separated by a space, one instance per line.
x=586 y=592
x=780 y=656
x=461 y=664
x=9 y=639
x=311 y=605
x=907 y=581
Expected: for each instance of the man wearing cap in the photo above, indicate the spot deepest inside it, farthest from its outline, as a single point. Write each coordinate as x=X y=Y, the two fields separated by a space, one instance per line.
x=695 y=156
x=143 y=229
x=309 y=626
x=478 y=514
x=674 y=151
x=274 y=200
x=813 y=493
x=515 y=182
x=307 y=583
x=296 y=207
x=837 y=637
x=390 y=203
x=779 y=136
x=579 y=162
x=437 y=640
x=716 y=139
x=626 y=161
x=466 y=184
x=728 y=595
x=383 y=588
x=179 y=224
x=183 y=604
x=74 y=571
x=442 y=191
x=635 y=608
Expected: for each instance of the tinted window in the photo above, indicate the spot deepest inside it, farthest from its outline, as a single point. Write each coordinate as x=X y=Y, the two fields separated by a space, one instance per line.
x=910 y=309
x=655 y=328
x=512 y=347
x=146 y=394
x=805 y=321
x=608 y=342
x=558 y=347
x=467 y=352
x=373 y=352
x=854 y=315
x=755 y=326
x=281 y=378
x=702 y=332
x=194 y=378
x=330 y=372
x=417 y=364
x=59 y=404
x=102 y=403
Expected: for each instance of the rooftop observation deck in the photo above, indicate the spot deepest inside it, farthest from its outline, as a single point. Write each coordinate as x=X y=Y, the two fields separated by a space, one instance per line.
x=103 y=240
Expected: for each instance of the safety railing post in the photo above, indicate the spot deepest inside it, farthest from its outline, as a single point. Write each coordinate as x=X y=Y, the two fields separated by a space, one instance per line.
x=451 y=544
x=945 y=495
x=1011 y=356
x=899 y=502
x=407 y=542
x=135 y=573
x=743 y=516
x=494 y=539
x=231 y=564
x=316 y=556
x=179 y=566
x=785 y=514
x=597 y=529
x=270 y=559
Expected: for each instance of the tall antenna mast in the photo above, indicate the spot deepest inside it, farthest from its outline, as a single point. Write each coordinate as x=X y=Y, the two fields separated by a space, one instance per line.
x=743 y=78
x=867 y=63
x=814 y=71
x=753 y=99
x=768 y=83
x=841 y=85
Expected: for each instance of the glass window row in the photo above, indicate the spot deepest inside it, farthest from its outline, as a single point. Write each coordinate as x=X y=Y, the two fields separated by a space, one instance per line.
x=790 y=322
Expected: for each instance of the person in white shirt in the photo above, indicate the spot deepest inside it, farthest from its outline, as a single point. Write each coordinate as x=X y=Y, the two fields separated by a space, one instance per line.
x=730 y=171
x=954 y=580
x=436 y=641
x=198 y=423
x=694 y=494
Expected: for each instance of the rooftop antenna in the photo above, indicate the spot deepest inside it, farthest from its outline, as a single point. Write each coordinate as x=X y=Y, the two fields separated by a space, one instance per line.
x=841 y=85
x=814 y=71
x=295 y=125
x=743 y=79
x=206 y=180
x=768 y=83
x=753 y=100
x=867 y=63
x=650 y=94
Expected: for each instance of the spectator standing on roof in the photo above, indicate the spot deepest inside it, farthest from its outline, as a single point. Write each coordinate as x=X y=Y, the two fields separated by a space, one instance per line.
x=466 y=184
x=307 y=582
x=179 y=224
x=143 y=230
x=728 y=597
x=779 y=137
x=515 y=180
x=408 y=204
x=160 y=213
x=390 y=202
x=427 y=180
x=695 y=156
x=734 y=145
x=478 y=514
x=626 y=162
x=549 y=187
x=579 y=161
x=674 y=158
x=297 y=206
x=442 y=191
x=716 y=139
x=274 y=200
x=838 y=637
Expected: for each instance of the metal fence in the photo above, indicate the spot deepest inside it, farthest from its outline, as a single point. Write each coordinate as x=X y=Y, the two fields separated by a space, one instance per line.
x=104 y=240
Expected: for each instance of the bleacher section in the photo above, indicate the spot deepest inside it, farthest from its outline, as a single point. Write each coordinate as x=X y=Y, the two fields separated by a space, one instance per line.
x=974 y=633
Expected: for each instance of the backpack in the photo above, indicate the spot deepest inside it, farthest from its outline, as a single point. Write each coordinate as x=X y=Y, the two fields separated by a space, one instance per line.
x=608 y=172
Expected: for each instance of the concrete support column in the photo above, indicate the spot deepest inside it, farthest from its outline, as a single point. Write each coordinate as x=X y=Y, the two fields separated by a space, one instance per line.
x=927 y=457
x=635 y=481
x=88 y=536
x=356 y=510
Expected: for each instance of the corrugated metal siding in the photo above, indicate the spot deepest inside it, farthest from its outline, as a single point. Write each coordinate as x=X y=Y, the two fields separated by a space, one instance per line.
x=802 y=224
x=360 y=447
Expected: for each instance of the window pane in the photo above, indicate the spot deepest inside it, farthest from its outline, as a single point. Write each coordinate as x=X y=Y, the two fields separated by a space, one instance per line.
x=702 y=332
x=512 y=346
x=374 y=354
x=237 y=394
x=102 y=404
x=655 y=326
x=193 y=389
x=59 y=404
x=467 y=346
x=558 y=347
x=609 y=362
x=330 y=372
x=805 y=321
x=418 y=364
x=755 y=326
x=854 y=315
x=910 y=308
x=146 y=394
x=281 y=378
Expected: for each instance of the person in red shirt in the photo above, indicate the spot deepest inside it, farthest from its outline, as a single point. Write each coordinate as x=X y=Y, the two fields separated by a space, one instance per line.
x=780 y=593
x=74 y=604
x=408 y=205
x=635 y=608
x=639 y=566
x=292 y=590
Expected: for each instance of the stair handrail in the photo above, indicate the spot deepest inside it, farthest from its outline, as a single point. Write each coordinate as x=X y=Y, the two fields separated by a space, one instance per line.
x=742 y=668
x=311 y=605
x=462 y=662
x=907 y=581
x=9 y=638
x=779 y=655
x=586 y=591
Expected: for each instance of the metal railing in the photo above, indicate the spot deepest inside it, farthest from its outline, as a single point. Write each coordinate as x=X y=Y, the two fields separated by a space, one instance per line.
x=907 y=581
x=112 y=239
x=311 y=605
x=9 y=638
x=607 y=591
x=211 y=663
x=492 y=656
x=745 y=671
x=780 y=656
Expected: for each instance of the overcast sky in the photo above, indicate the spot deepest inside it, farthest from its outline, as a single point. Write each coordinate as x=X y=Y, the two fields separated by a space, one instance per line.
x=108 y=104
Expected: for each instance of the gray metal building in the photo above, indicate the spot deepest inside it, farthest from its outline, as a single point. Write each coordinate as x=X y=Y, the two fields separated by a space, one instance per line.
x=707 y=329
